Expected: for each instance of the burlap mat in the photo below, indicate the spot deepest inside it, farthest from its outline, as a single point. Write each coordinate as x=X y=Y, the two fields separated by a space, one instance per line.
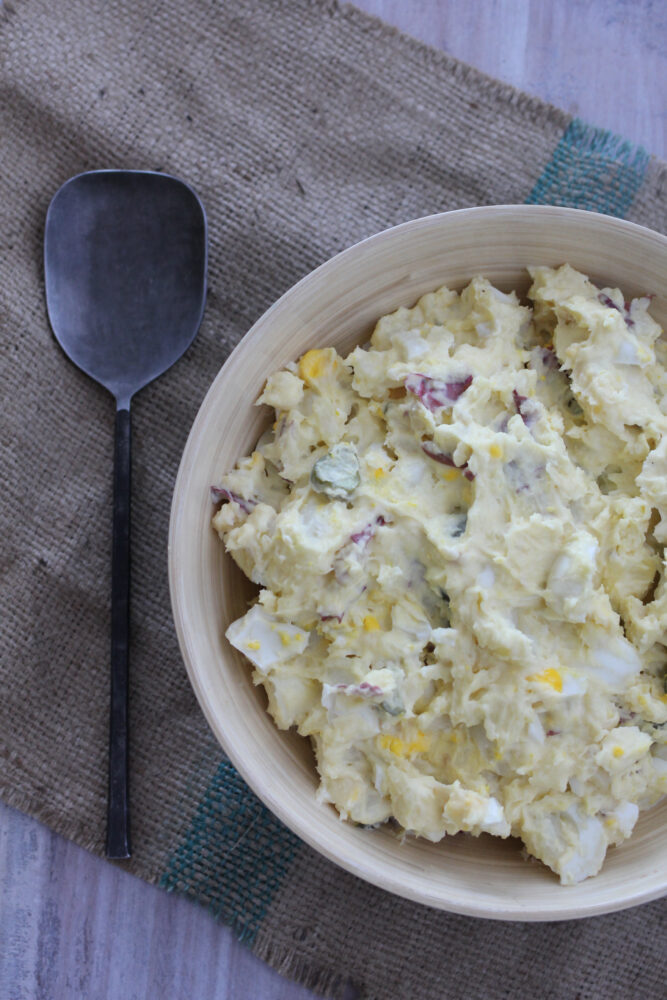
x=304 y=126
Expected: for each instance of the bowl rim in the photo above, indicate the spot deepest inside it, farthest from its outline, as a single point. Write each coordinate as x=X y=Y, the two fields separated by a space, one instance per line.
x=256 y=778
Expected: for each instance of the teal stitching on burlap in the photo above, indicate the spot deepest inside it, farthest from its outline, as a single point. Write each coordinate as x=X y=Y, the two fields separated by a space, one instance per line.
x=234 y=855
x=592 y=169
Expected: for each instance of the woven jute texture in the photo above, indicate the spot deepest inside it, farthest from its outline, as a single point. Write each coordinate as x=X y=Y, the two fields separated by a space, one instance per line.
x=304 y=126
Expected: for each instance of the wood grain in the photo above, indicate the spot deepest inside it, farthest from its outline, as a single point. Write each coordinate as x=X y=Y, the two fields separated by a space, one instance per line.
x=73 y=926
x=603 y=60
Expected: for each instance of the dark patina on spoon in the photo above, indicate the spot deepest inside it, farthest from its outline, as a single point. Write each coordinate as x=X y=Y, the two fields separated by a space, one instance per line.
x=125 y=271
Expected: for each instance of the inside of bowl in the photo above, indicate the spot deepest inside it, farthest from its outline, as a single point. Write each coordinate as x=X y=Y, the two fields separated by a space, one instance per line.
x=338 y=305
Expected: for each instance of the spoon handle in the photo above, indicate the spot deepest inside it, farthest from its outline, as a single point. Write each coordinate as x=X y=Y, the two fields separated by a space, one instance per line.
x=118 y=832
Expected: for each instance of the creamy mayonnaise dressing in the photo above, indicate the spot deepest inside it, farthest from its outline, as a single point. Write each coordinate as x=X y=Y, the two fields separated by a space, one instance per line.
x=458 y=535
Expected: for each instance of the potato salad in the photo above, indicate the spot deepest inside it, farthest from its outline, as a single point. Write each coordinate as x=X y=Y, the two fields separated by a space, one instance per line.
x=458 y=534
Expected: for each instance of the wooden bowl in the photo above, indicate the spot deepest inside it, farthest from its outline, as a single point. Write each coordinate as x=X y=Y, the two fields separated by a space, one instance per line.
x=338 y=305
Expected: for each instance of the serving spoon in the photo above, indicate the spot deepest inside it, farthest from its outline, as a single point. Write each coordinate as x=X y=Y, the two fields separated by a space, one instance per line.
x=125 y=273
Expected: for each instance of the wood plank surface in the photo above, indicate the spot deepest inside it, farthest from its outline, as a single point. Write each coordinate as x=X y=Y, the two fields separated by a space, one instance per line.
x=603 y=60
x=73 y=926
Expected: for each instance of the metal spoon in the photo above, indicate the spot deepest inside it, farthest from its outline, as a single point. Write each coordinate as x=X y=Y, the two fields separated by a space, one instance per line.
x=125 y=269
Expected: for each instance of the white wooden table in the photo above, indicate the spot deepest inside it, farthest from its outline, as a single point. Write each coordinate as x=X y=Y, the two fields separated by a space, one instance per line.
x=72 y=926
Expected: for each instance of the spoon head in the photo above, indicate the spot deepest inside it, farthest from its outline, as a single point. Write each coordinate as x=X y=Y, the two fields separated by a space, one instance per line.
x=125 y=274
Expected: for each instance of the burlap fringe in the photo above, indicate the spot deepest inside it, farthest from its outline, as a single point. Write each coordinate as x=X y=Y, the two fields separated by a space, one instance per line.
x=536 y=108
x=322 y=981
x=52 y=818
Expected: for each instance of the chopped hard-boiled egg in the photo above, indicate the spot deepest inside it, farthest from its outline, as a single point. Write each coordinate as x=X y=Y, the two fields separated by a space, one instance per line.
x=266 y=640
x=458 y=533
